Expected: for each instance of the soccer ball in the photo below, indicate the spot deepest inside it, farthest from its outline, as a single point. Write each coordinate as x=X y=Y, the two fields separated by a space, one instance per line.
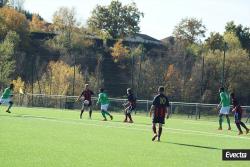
x=86 y=102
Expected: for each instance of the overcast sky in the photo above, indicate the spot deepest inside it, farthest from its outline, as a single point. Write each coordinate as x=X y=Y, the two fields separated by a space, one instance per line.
x=160 y=16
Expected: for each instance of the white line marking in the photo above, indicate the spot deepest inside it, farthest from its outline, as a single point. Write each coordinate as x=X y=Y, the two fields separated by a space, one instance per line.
x=132 y=127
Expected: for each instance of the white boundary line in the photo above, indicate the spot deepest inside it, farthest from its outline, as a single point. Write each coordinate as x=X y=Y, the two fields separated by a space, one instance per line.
x=132 y=127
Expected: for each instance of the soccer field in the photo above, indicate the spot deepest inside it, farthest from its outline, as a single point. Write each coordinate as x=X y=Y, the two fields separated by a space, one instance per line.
x=36 y=137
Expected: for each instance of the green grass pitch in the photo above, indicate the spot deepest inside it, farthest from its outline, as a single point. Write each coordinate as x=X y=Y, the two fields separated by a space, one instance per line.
x=35 y=137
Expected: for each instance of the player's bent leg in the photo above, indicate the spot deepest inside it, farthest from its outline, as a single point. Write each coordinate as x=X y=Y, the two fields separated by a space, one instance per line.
x=129 y=111
x=244 y=126
x=126 y=115
x=82 y=110
x=10 y=105
x=154 y=131
x=106 y=112
x=130 y=118
x=104 y=116
x=237 y=122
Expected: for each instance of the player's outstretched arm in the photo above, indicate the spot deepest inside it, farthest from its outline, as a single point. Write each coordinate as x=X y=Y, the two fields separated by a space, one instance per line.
x=79 y=97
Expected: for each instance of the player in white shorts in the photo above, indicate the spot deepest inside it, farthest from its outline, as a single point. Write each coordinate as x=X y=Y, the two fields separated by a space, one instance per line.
x=7 y=97
x=225 y=108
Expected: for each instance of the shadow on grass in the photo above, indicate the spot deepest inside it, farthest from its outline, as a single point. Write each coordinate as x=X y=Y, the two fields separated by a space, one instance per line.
x=27 y=116
x=192 y=145
x=51 y=118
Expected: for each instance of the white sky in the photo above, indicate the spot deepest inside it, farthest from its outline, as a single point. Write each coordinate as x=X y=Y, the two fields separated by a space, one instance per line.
x=160 y=16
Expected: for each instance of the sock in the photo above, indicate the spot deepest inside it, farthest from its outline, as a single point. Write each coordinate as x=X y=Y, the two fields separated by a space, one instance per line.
x=154 y=129
x=10 y=105
x=126 y=116
x=160 y=131
x=81 y=113
x=228 y=121
x=220 y=120
x=130 y=118
x=90 y=113
x=243 y=125
x=106 y=112
x=238 y=126
x=103 y=114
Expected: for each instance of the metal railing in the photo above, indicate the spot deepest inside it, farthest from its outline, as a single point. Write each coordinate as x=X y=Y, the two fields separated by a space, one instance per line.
x=192 y=110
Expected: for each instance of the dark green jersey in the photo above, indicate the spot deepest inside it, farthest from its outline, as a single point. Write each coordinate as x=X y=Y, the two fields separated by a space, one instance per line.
x=103 y=99
x=7 y=93
x=225 y=99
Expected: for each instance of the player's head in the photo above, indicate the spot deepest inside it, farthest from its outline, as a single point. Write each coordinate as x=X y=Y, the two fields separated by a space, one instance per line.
x=12 y=86
x=101 y=90
x=232 y=95
x=161 y=89
x=129 y=91
x=86 y=86
x=221 y=89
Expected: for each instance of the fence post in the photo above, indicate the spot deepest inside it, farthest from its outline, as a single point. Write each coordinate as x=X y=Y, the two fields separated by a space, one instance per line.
x=199 y=112
x=196 y=111
x=171 y=109
x=147 y=107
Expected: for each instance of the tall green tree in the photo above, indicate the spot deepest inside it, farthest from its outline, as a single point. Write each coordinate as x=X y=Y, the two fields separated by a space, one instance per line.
x=116 y=19
x=7 y=51
x=189 y=30
x=243 y=33
x=64 y=22
x=215 y=41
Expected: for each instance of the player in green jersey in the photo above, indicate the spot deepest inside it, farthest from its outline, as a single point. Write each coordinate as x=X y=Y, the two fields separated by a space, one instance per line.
x=104 y=101
x=7 y=97
x=225 y=107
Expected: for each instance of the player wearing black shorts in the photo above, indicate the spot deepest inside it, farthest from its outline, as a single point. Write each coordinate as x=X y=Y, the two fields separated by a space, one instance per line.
x=129 y=106
x=86 y=95
x=238 y=114
x=159 y=110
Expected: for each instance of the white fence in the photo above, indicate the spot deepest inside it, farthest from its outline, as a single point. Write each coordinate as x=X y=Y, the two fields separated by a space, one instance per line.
x=192 y=110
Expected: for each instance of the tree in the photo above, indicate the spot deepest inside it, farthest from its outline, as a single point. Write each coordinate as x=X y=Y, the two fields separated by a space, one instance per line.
x=37 y=24
x=14 y=21
x=119 y=52
x=236 y=75
x=116 y=19
x=243 y=33
x=7 y=51
x=19 y=84
x=58 y=79
x=64 y=22
x=215 y=41
x=189 y=30
x=232 y=40
x=172 y=82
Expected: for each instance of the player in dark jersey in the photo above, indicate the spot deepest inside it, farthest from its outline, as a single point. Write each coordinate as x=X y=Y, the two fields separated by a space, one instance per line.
x=130 y=106
x=238 y=114
x=159 y=110
x=86 y=97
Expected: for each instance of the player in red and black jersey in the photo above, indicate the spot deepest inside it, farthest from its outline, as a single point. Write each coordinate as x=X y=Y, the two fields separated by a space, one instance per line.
x=130 y=105
x=238 y=114
x=159 y=110
x=86 y=95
